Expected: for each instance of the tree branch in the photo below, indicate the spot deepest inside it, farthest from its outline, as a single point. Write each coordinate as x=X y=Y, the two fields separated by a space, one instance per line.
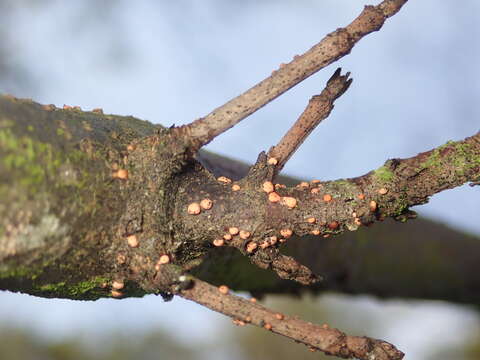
x=127 y=223
x=323 y=208
x=378 y=261
x=31 y=266
x=442 y=255
x=331 y=48
x=318 y=109
x=330 y=341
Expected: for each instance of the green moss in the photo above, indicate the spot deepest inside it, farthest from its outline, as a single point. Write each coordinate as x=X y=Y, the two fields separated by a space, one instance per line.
x=53 y=287
x=31 y=158
x=384 y=174
x=435 y=159
x=465 y=156
x=36 y=162
x=402 y=205
x=342 y=188
x=462 y=157
x=84 y=290
x=19 y=272
x=86 y=287
x=345 y=186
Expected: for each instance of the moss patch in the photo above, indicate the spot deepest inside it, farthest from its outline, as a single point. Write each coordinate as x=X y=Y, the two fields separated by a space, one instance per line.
x=84 y=290
x=460 y=155
x=384 y=174
x=19 y=272
x=33 y=159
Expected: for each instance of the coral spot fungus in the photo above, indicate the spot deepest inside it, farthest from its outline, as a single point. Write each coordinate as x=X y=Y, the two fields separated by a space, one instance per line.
x=289 y=202
x=233 y=230
x=224 y=179
x=164 y=259
x=272 y=161
x=218 y=242
x=274 y=197
x=244 y=234
x=251 y=247
x=268 y=187
x=194 y=208
x=121 y=174
x=223 y=289
x=206 y=204
x=286 y=233
x=132 y=241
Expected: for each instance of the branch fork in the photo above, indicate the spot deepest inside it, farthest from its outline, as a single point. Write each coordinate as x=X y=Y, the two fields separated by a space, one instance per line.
x=261 y=251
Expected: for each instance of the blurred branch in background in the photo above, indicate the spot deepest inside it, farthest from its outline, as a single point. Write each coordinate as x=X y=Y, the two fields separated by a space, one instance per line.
x=18 y=344
x=239 y=343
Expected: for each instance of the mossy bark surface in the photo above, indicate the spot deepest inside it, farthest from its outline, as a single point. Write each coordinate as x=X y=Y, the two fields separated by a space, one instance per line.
x=60 y=202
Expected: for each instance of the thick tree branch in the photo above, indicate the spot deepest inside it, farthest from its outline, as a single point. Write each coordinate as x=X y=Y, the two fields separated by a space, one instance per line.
x=323 y=338
x=418 y=260
x=331 y=48
x=322 y=208
x=442 y=255
x=44 y=243
x=103 y=255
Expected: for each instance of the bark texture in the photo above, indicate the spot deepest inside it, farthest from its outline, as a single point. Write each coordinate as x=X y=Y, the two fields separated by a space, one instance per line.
x=68 y=216
x=61 y=198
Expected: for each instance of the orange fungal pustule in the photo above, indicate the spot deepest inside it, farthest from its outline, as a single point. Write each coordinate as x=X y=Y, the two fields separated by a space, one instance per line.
x=274 y=197
x=223 y=289
x=194 y=208
x=132 y=241
x=206 y=204
x=289 y=202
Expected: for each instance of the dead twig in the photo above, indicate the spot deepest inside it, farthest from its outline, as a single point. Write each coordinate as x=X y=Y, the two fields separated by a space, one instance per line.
x=330 y=341
x=331 y=48
x=318 y=109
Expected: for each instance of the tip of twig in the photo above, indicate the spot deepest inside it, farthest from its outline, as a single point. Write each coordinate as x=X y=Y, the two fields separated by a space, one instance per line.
x=335 y=75
x=339 y=83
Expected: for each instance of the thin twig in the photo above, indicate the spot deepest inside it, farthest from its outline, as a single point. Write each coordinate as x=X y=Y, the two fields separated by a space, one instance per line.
x=323 y=338
x=318 y=109
x=331 y=48
x=269 y=257
x=284 y=266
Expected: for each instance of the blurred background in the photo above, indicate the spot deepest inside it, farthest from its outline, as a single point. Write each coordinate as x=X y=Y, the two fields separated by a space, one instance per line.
x=415 y=87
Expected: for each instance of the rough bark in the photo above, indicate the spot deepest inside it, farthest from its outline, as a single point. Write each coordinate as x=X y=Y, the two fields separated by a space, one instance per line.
x=64 y=230
x=60 y=199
